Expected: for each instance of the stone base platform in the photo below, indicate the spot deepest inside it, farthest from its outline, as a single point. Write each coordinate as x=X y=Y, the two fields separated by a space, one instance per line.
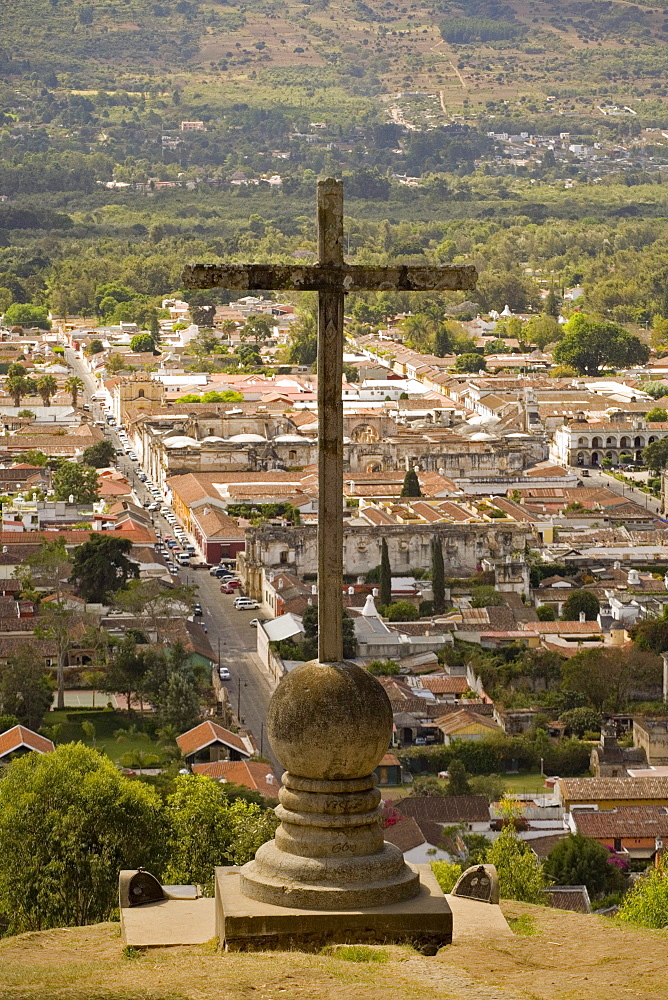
x=244 y=924
x=169 y=922
x=477 y=920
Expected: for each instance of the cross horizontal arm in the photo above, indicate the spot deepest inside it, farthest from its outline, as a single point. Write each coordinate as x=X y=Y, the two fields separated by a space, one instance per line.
x=332 y=277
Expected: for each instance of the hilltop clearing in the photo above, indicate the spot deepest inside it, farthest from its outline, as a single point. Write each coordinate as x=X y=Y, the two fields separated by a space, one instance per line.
x=568 y=957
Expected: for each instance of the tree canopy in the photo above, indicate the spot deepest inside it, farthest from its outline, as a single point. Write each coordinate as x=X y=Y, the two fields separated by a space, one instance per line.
x=77 y=481
x=588 y=344
x=101 y=566
x=69 y=822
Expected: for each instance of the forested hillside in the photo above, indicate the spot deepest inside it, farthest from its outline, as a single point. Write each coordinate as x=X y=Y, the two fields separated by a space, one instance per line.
x=421 y=107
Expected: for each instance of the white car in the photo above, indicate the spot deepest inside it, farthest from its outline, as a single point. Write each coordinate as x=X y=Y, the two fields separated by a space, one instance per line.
x=224 y=674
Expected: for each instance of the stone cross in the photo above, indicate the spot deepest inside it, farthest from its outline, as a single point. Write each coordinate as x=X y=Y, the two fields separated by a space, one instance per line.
x=332 y=278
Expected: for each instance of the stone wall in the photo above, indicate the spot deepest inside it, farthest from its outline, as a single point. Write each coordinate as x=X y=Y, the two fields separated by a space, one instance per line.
x=409 y=547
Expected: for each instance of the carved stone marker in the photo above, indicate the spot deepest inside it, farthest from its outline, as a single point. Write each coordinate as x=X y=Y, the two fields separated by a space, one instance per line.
x=480 y=882
x=330 y=721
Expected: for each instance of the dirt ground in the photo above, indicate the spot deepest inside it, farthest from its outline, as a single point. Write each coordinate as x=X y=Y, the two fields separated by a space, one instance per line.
x=569 y=957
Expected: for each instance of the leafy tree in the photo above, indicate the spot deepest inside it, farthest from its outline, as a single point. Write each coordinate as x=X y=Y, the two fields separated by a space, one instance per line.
x=579 y=721
x=74 y=480
x=579 y=601
x=492 y=786
x=127 y=670
x=552 y=302
x=577 y=860
x=162 y=605
x=457 y=779
x=25 y=690
x=498 y=347
x=383 y=668
x=656 y=415
x=206 y=830
x=402 y=611
x=95 y=347
x=651 y=634
x=411 y=486
x=605 y=678
x=101 y=566
x=485 y=597
x=470 y=363
x=647 y=902
x=588 y=344
x=655 y=455
x=303 y=348
x=142 y=343
x=74 y=386
x=428 y=785
x=19 y=386
x=521 y=874
x=23 y=314
x=310 y=623
x=16 y=369
x=257 y=329
x=59 y=863
x=437 y=576
x=385 y=589
x=99 y=455
x=6 y=299
x=204 y=343
x=47 y=387
x=546 y=613
x=178 y=701
x=442 y=342
x=657 y=390
x=541 y=331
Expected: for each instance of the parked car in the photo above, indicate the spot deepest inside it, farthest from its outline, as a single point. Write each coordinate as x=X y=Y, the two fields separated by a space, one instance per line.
x=153 y=506
x=246 y=604
x=254 y=622
x=224 y=674
x=197 y=610
x=224 y=589
x=233 y=583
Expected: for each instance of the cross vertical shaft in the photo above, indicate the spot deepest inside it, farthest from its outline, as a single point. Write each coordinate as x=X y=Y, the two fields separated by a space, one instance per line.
x=330 y=429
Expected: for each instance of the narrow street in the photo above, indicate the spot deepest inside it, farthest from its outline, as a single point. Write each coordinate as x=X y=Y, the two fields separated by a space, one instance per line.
x=229 y=631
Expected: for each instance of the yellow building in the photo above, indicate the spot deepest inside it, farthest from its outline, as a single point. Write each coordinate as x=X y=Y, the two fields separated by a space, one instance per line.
x=610 y=793
x=466 y=725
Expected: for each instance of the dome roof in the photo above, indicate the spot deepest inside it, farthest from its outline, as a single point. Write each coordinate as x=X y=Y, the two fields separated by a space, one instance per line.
x=246 y=438
x=182 y=441
x=211 y=439
x=481 y=436
x=290 y=438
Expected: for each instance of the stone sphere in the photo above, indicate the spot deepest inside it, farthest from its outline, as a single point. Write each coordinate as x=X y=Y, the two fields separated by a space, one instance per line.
x=329 y=721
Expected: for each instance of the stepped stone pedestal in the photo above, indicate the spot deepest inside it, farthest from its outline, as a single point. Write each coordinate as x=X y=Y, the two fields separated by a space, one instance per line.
x=328 y=875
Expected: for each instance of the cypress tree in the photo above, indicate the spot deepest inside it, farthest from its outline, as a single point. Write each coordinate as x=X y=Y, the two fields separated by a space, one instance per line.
x=437 y=577
x=385 y=576
x=411 y=487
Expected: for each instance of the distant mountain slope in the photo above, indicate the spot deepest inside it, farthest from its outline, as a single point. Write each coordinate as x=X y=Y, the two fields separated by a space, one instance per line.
x=472 y=56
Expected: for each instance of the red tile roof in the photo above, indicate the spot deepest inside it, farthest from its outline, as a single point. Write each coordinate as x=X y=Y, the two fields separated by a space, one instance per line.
x=20 y=736
x=445 y=685
x=250 y=773
x=207 y=733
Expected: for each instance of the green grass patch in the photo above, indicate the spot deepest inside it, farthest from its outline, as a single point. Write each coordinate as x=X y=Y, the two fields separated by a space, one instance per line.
x=532 y=781
x=358 y=953
x=106 y=738
x=523 y=926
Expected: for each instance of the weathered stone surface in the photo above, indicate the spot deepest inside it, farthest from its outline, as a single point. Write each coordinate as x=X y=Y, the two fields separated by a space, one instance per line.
x=329 y=720
x=331 y=278
x=480 y=882
x=245 y=924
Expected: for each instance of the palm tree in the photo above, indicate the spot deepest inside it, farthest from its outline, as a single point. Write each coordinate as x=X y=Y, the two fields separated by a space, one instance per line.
x=19 y=386
x=74 y=386
x=47 y=387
